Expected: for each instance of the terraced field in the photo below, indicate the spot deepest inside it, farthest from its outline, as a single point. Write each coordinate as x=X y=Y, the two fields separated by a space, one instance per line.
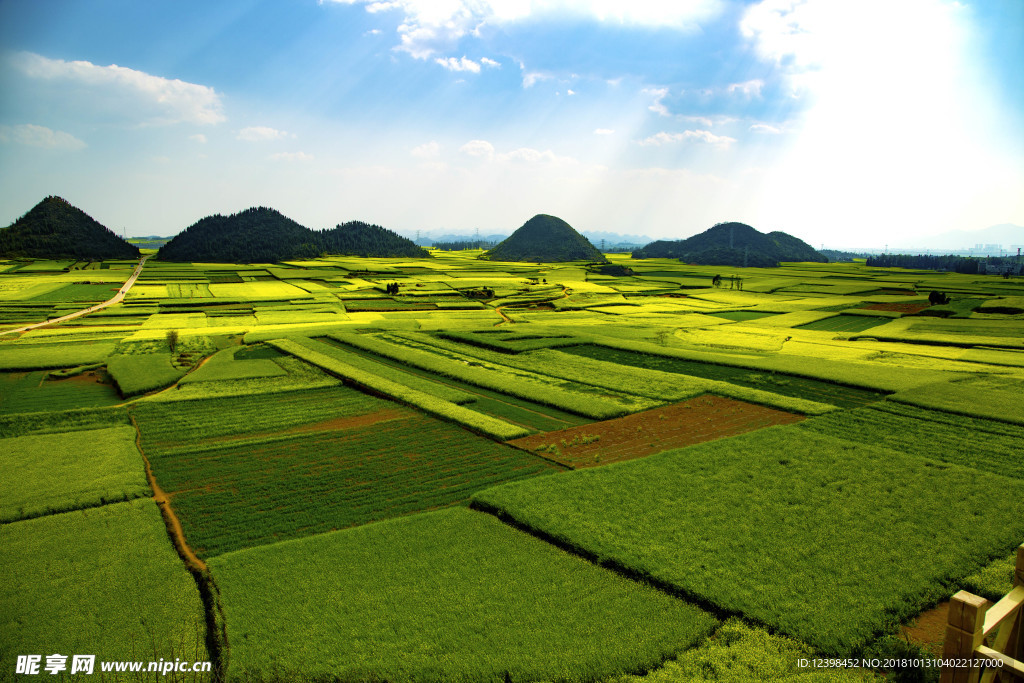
x=812 y=478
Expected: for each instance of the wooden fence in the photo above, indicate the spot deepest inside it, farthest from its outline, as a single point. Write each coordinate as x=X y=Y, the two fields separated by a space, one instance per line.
x=977 y=630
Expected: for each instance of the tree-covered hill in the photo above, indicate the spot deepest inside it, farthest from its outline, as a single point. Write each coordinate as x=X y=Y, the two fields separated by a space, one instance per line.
x=263 y=235
x=733 y=244
x=356 y=238
x=545 y=239
x=54 y=229
x=257 y=235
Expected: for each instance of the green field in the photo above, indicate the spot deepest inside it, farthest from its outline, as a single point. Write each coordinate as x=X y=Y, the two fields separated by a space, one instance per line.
x=466 y=599
x=29 y=392
x=47 y=473
x=114 y=587
x=785 y=526
x=138 y=374
x=354 y=458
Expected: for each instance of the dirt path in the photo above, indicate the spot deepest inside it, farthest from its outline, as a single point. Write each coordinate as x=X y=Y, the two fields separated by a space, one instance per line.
x=170 y=519
x=117 y=298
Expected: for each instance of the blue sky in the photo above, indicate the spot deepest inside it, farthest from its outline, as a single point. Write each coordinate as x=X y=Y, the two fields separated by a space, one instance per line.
x=845 y=122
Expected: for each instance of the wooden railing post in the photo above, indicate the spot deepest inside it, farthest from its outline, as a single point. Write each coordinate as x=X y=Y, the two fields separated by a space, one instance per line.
x=965 y=631
x=1017 y=652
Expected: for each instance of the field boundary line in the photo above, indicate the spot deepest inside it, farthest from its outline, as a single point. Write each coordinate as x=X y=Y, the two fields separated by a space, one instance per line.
x=216 y=626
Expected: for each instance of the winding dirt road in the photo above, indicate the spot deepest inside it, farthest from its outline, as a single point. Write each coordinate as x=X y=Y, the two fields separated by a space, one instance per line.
x=117 y=298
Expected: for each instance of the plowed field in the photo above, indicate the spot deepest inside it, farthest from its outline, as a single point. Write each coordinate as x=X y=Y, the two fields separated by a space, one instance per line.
x=696 y=420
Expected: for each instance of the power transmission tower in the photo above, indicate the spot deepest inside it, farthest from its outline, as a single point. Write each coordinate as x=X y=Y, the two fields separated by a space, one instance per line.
x=478 y=238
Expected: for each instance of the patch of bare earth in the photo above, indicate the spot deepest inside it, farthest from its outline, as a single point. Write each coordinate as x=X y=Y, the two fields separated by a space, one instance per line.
x=929 y=629
x=909 y=308
x=690 y=422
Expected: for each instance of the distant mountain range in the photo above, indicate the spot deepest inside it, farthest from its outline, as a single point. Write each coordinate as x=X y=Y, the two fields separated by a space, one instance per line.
x=1006 y=235
x=54 y=229
x=263 y=235
x=733 y=244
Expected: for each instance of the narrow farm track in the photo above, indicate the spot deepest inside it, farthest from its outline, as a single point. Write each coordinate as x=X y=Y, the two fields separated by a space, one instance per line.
x=505 y=319
x=216 y=630
x=161 y=498
x=117 y=298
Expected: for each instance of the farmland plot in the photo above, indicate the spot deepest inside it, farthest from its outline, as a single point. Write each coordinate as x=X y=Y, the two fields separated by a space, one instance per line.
x=114 y=588
x=27 y=392
x=47 y=473
x=467 y=599
x=789 y=528
x=354 y=458
x=696 y=420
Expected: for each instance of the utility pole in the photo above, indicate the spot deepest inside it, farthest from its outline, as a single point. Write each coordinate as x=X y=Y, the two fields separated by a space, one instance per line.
x=602 y=246
x=417 y=236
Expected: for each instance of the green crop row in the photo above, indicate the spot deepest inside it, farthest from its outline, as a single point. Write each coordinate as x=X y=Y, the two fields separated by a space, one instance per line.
x=917 y=435
x=467 y=599
x=39 y=390
x=179 y=424
x=508 y=343
x=232 y=494
x=828 y=541
x=104 y=581
x=478 y=422
x=48 y=473
x=979 y=396
x=442 y=391
x=654 y=385
x=137 y=374
x=494 y=376
x=20 y=424
x=48 y=356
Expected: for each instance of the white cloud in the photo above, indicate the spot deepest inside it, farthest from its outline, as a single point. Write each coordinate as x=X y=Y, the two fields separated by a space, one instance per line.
x=603 y=131
x=531 y=78
x=534 y=156
x=373 y=32
x=659 y=94
x=704 y=136
x=262 y=134
x=426 y=151
x=432 y=26
x=750 y=88
x=765 y=128
x=570 y=92
x=453 y=64
x=198 y=137
x=490 y=63
x=291 y=156
x=154 y=99
x=32 y=135
x=478 y=148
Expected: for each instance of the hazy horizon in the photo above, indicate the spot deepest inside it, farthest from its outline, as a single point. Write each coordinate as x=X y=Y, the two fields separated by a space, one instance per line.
x=840 y=122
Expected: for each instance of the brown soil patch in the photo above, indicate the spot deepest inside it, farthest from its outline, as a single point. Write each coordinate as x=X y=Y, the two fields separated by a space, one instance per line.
x=690 y=422
x=913 y=307
x=929 y=629
x=339 y=423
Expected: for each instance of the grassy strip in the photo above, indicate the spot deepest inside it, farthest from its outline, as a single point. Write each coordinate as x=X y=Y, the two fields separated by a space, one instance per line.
x=861 y=375
x=998 y=454
x=223 y=365
x=652 y=384
x=828 y=541
x=467 y=599
x=785 y=385
x=508 y=343
x=442 y=391
x=740 y=653
x=48 y=473
x=48 y=356
x=660 y=386
x=103 y=581
x=137 y=374
x=980 y=396
x=484 y=424
x=494 y=376
x=62 y=421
